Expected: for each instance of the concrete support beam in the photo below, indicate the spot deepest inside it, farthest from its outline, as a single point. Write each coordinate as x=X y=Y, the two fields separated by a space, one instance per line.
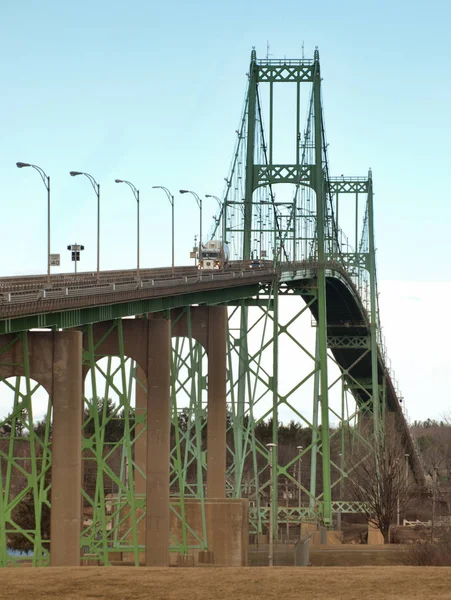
x=216 y=432
x=158 y=442
x=67 y=397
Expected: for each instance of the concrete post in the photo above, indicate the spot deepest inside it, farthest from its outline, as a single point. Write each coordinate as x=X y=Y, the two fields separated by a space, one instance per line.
x=158 y=442
x=216 y=432
x=66 y=449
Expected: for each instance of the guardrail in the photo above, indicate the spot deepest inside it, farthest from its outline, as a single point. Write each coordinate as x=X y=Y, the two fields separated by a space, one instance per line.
x=40 y=295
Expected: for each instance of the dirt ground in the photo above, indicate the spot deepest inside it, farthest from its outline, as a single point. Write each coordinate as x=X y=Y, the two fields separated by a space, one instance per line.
x=315 y=583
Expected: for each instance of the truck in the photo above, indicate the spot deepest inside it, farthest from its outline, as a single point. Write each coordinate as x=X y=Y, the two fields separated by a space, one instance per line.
x=214 y=256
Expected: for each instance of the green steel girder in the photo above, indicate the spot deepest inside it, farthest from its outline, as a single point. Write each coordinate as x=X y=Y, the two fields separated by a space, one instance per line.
x=348 y=186
x=358 y=260
x=363 y=382
x=266 y=302
x=295 y=514
x=272 y=174
x=94 y=314
x=285 y=71
x=348 y=341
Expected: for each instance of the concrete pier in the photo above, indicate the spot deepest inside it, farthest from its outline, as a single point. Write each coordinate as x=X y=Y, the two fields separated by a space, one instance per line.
x=217 y=424
x=158 y=442
x=66 y=449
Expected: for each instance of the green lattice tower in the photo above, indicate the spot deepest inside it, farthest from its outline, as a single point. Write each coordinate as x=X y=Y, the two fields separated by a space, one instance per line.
x=308 y=231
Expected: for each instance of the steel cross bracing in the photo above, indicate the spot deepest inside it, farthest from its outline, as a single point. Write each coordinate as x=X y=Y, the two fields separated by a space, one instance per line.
x=333 y=378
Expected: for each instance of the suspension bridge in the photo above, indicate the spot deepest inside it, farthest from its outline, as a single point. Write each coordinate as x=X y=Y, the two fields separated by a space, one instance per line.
x=195 y=360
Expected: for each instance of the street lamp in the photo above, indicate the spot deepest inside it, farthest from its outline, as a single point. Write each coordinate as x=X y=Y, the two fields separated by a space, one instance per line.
x=221 y=214
x=96 y=188
x=171 y=200
x=271 y=519
x=299 y=448
x=199 y=204
x=136 y=194
x=46 y=179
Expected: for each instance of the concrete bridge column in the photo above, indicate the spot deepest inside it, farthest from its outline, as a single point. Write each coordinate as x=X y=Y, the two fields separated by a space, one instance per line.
x=158 y=441
x=67 y=397
x=217 y=424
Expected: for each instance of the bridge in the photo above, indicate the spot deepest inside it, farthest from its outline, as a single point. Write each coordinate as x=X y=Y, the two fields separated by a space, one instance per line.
x=215 y=353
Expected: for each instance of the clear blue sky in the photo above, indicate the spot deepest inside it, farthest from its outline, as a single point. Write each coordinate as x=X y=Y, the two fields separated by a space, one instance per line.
x=152 y=92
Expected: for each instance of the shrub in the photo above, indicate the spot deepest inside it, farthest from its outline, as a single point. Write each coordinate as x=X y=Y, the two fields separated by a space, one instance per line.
x=428 y=554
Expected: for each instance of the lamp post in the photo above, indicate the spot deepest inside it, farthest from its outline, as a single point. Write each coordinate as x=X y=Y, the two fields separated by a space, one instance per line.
x=199 y=204
x=136 y=195
x=271 y=520
x=46 y=179
x=299 y=448
x=171 y=200
x=96 y=188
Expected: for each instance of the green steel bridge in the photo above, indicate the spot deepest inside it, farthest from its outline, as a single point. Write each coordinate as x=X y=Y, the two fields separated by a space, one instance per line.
x=303 y=342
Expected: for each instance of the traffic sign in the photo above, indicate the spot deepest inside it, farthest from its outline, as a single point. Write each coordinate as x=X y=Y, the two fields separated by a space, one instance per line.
x=54 y=260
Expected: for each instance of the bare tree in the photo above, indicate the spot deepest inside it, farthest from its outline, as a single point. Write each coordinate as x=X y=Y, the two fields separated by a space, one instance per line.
x=379 y=479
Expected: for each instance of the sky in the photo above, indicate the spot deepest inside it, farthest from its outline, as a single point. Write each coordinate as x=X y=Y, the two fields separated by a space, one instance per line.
x=152 y=93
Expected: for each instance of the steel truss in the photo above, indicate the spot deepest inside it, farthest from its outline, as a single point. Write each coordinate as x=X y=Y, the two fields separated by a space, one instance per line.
x=25 y=457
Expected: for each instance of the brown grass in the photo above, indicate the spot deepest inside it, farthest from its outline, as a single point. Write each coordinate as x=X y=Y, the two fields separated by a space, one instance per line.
x=120 y=583
x=359 y=555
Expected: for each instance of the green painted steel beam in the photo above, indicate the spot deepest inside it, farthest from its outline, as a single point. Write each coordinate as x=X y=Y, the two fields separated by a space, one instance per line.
x=348 y=186
x=95 y=314
x=285 y=71
x=348 y=341
x=272 y=174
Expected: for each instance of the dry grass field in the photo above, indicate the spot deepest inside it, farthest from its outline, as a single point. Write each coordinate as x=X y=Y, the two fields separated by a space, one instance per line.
x=278 y=583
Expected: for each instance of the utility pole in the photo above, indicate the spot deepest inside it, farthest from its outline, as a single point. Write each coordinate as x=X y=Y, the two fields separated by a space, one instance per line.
x=286 y=509
x=271 y=525
x=434 y=484
x=300 y=448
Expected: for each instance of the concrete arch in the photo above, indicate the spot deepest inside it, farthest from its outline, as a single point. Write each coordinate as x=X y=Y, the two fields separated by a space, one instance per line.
x=135 y=333
x=17 y=389
x=40 y=356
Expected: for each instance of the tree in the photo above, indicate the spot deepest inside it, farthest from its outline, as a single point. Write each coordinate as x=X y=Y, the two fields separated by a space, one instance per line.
x=379 y=481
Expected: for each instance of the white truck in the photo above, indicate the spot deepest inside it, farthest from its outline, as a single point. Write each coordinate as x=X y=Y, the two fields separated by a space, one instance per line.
x=214 y=256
